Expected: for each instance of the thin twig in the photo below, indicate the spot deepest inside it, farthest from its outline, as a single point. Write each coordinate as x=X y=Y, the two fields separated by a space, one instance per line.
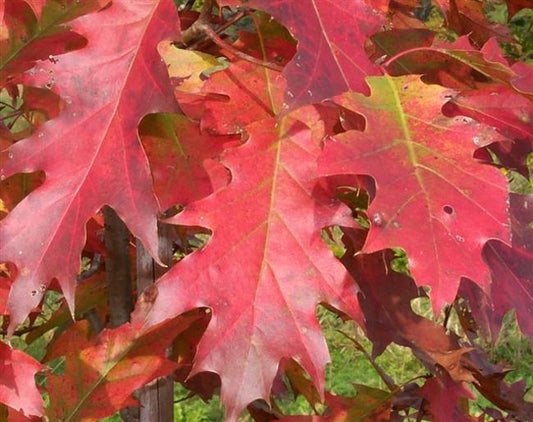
x=93 y=268
x=21 y=331
x=203 y=42
x=382 y=374
x=447 y=312
x=11 y=106
x=12 y=114
x=187 y=397
x=222 y=44
x=194 y=32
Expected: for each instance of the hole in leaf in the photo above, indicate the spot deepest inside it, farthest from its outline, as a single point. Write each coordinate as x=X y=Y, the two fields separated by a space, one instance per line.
x=448 y=209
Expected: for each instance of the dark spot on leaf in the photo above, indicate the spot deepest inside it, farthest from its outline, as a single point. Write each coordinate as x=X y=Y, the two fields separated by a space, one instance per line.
x=448 y=209
x=150 y=293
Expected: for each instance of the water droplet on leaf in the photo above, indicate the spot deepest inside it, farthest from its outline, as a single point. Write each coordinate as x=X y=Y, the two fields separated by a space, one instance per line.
x=377 y=219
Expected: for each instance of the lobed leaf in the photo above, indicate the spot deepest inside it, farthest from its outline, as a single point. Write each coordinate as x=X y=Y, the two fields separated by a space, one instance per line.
x=91 y=154
x=430 y=189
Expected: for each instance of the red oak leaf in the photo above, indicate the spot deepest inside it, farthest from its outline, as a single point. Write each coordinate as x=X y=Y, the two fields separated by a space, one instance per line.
x=458 y=62
x=30 y=40
x=102 y=373
x=467 y=17
x=510 y=113
x=265 y=268
x=512 y=275
x=497 y=106
x=390 y=318
x=330 y=58
x=370 y=404
x=91 y=154
x=242 y=93
x=433 y=199
x=445 y=399
x=181 y=159
x=37 y=6
x=512 y=283
x=17 y=381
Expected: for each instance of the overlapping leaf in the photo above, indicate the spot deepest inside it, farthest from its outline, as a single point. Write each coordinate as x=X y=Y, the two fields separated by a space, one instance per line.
x=17 y=381
x=433 y=199
x=265 y=268
x=456 y=62
x=389 y=318
x=181 y=159
x=30 y=39
x=100 y=374
x=91 y=154
x=512 y=274
x=331 y=58
x=446 y=399
x=370 y=404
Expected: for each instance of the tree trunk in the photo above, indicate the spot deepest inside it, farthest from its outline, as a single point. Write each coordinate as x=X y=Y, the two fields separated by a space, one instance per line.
x=157 y=399
x=118 y=276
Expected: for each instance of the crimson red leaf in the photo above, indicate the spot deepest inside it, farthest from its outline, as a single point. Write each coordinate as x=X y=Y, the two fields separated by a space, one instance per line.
x=511 y=113
x=390 y=318
x=459 y=59
x=467 y=17
x=330 y=58
x=37 y=6
x=86 y=169
x=17 y=381
x=433 y=199
x=446 y=399
x=266 y=268
x=181 y=159
x=241 y=94
x=370 y=404
x=31 y=40
x=101 y=374
x=511 y=269
x=512 y=283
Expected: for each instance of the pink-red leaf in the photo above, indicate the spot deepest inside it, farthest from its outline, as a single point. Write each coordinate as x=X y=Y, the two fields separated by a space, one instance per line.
x=266 y=268
x=30 y=40
x=330 y=58
x=91 y=154
x=101 y=373
x=17 y=381
x=181 y=159
x=458 y=60
x=37 y=6
x=433 y=199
